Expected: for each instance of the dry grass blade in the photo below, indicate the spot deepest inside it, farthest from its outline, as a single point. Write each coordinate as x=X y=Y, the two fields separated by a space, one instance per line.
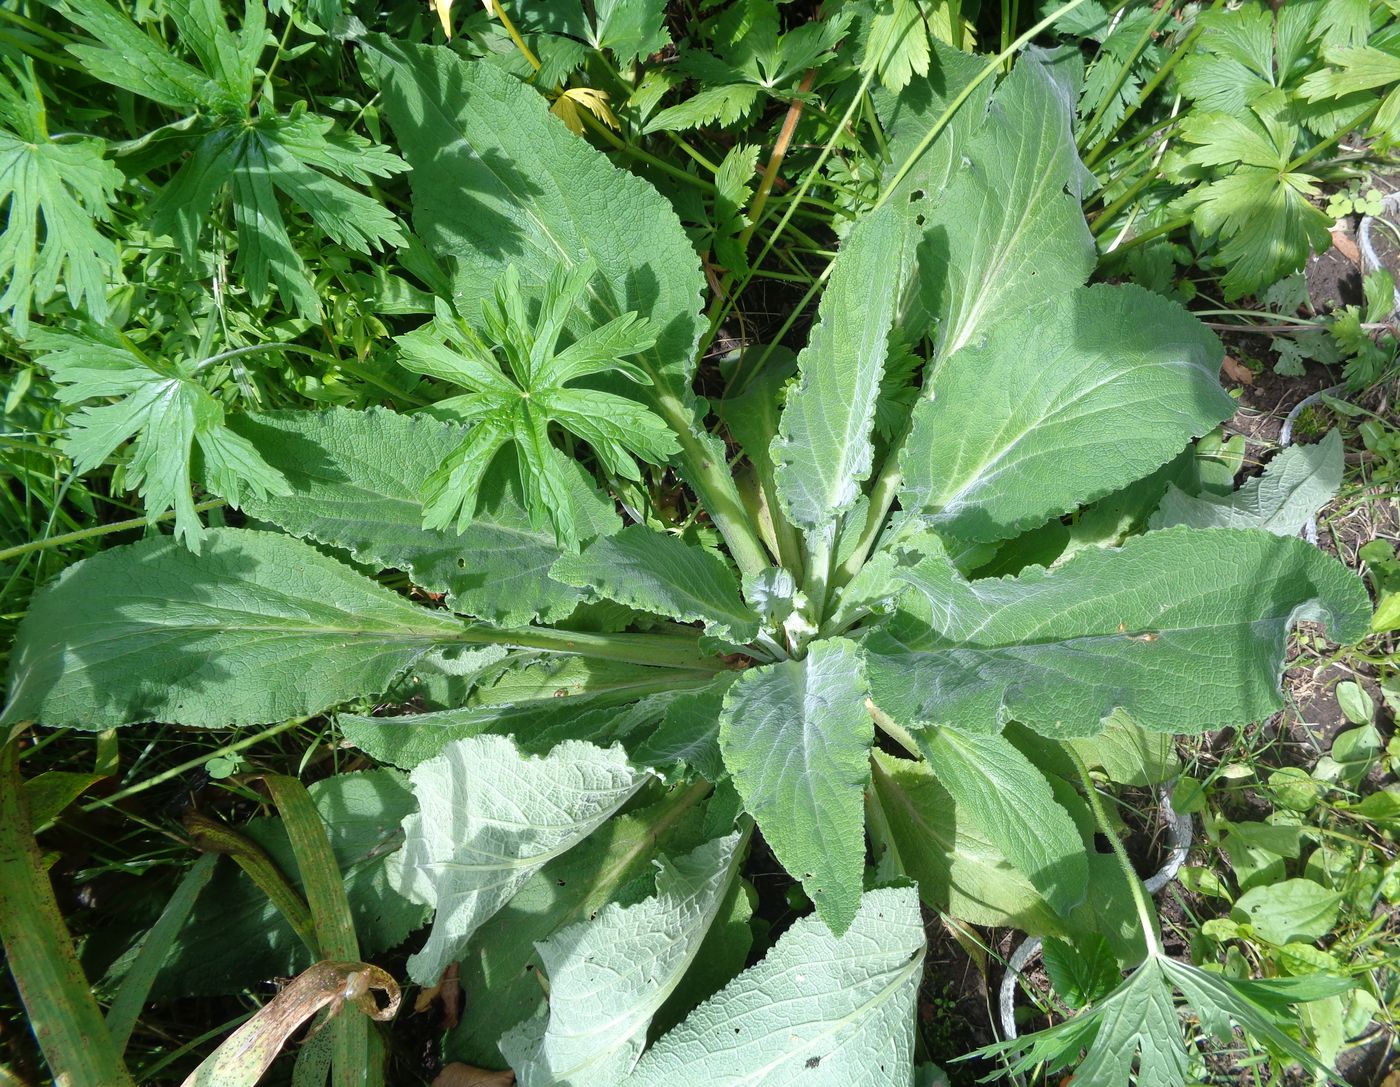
x=248 y=1052
x=331 y=918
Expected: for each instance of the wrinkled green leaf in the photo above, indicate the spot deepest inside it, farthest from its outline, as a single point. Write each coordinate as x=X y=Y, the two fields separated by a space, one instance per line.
x=796 y=738
x=1065 y=403
x=1184 y=629
x=818 y=1010
x=608 y=976
x=487 y=820
x=259 y=628
x=356 y=479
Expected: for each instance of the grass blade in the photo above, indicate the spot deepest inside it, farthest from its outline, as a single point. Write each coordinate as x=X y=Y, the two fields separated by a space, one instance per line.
x=136 y=985
x=331 y=917
x=62 y=1012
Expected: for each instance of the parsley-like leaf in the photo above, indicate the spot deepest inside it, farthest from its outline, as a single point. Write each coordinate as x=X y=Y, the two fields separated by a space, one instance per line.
x=254 y=156
x=51 y=193
x=518 y=405
x=1132 y=1036
x=164 y=408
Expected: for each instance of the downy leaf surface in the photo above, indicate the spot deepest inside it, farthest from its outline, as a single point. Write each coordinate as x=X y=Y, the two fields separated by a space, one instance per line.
x=818 y=1010
x=1062 y=404
x=1005 y=795
x=615 y=864
x=959 y=868
x=488 y=818
x=1184 y=629
x=1007 y=232
x=796 y=737
x=258 y=628
x=356 y=477
x=608 y=976
x=823 y=451
x=660 y=573
x=1294 y=486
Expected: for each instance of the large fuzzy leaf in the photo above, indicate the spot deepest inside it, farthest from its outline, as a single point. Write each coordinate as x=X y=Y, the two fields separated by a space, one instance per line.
x=260 y=627
x=823 y=451
x=1294 y=486
x=608 y=976
x=488 y=819
x=911 y=113
x=1003 y=793
x=1063 y=404
x=356 y=478
x=820 y=1010
x=1007 y=232
x=615 y=864
x=796 y=737
x=959 y=868
x=1184 y=629
x=656 y=572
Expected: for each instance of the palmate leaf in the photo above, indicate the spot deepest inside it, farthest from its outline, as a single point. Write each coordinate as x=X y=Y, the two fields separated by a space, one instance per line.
x=487 y=820
x=609 y=976
x=164 y=408
x=820 y=1010
x=897 y=45
x=497 y=181
x=255 y=160
x=518 y=406
x=1184 y=629
x=1259 y=207
x=1133 y=1035
x=52 y=196
x=259 y=628
x=796 y=737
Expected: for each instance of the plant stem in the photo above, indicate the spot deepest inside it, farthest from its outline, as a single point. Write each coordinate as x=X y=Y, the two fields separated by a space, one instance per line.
x=495 y=6
x=194 y=764
x=62 y=1013
x=1146 y=914
x=657 y=650
x=775 y=160
x=97 y=530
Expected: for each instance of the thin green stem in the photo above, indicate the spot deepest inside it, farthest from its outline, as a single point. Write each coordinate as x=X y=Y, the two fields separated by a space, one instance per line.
x=194 y=764
x=1145 y=95
x=1356 y=122
x=1146 y=914
x=44 y=543
x=725 y=302
x=1125 y=68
